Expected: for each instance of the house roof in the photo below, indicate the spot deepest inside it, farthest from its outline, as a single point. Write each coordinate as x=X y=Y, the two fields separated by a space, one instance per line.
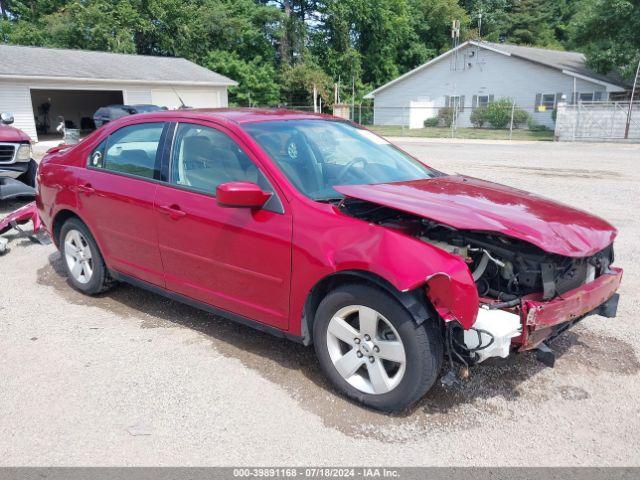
x=561 y=60
x=20 y=62
x=570 y=63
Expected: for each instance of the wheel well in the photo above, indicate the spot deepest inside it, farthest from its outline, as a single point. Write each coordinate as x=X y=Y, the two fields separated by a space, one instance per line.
x=61 y=217
x=414 y=301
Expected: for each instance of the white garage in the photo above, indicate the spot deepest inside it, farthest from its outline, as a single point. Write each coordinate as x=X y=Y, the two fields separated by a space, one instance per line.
x=39 y=85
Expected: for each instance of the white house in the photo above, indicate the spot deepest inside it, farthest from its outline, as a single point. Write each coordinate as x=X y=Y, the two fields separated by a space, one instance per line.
x=39 y=84
x=475 y=73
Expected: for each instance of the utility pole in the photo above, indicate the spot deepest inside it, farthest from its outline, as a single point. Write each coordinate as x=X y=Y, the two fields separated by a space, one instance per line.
x=315 y=98
x=513 y=111
x=633 y=93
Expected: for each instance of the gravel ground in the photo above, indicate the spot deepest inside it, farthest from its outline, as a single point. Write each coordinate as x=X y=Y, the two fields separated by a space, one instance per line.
x=130 y=378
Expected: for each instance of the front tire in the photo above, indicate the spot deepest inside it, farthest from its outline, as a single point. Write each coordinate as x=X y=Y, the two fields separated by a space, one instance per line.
x=29 y=177
x=372 y=350
x=82 y=259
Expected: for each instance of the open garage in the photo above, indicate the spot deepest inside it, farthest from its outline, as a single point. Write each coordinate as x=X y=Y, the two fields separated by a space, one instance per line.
x=38 y=85
x=74 y=107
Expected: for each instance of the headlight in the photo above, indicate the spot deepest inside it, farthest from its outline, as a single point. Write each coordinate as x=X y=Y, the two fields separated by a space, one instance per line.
x=24 y=153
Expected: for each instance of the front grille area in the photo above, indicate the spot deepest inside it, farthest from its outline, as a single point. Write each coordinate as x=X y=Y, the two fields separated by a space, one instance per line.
x=7 y=151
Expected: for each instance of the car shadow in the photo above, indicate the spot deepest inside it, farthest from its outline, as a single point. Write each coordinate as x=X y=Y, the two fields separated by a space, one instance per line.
x=492 y=389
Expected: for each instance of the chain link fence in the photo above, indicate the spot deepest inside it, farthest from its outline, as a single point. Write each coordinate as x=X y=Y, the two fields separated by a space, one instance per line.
x=501 y=120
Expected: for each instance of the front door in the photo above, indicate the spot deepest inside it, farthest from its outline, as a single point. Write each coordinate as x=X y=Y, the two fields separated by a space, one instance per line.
x=236 y=259
x=116 y=193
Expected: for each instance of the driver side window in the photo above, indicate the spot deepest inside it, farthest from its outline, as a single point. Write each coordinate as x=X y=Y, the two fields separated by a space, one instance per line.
x=203 y=158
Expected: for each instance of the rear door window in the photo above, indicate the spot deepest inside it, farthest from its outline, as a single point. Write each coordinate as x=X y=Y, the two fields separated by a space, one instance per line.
x=132 y=150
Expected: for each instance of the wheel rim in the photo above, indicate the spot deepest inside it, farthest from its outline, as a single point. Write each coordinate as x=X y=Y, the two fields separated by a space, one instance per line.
x=78 y=256
x=366 y=349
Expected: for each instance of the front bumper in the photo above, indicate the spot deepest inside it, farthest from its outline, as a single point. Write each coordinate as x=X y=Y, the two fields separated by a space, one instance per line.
x=542 y=319
x=13 y=170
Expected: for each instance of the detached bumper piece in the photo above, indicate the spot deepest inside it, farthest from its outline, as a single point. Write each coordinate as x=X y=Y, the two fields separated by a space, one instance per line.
x=12 y=188
x=21 y=216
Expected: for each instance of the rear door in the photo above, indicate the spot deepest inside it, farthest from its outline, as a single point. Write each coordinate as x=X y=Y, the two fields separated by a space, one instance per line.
x=236 y=259
x=116 y=193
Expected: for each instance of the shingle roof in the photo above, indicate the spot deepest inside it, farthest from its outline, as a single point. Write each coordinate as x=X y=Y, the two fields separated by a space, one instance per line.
x=565 y=61
x=561 y=60
x=20 y=61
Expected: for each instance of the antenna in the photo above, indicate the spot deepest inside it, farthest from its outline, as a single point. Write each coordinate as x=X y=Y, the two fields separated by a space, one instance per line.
x=182 y=105
x=455 y=37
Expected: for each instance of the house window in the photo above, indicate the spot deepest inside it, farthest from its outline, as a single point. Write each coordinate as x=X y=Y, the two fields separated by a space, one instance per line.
x=586 y=97
x=454 y=101
x=483 y=100
x=548 y=100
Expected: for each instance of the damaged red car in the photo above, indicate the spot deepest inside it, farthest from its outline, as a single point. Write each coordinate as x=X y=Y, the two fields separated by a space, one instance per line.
x=315 y=229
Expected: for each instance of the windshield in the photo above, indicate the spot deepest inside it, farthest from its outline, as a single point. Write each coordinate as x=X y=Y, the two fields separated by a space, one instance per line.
x=317 y=155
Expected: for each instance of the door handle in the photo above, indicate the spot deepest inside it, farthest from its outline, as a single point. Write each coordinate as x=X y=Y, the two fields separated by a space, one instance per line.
x=173 y=211
x=87 y=189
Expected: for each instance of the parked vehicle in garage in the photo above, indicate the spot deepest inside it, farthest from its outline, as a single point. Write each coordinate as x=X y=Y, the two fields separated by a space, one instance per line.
x=315 y=229
x=17 y=168
x=109 y=113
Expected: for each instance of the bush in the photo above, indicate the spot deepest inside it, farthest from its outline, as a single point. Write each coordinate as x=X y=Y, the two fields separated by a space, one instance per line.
x=445 y=115
x=536 y=127
x=499 y=114
x=478 y=117
x=432 y=122
x=520 y=117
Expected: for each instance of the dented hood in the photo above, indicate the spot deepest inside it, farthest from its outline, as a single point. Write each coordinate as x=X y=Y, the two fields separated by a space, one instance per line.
x=471 y=204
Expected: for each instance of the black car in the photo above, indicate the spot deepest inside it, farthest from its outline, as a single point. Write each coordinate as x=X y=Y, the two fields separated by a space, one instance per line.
x=106 y=114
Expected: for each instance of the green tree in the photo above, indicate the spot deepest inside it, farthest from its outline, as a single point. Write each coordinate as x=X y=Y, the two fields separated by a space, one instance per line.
x=298 y=81
x=608 y=32
x=531 y=22
x=257 y=79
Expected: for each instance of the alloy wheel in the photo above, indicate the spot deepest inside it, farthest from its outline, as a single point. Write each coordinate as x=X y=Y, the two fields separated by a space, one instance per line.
x=366 y=349
x=78 y=255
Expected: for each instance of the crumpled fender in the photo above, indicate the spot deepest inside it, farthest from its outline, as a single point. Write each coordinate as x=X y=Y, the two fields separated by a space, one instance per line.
x=22 y=215
x=446 y=278
x=408 y=263
x=454 y=296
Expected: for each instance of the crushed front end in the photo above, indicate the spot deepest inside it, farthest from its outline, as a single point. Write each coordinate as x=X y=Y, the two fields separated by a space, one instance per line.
x=513 y=295
x=542 y=293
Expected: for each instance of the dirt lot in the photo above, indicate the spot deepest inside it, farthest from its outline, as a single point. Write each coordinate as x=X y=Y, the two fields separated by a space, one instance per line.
x=132 y=379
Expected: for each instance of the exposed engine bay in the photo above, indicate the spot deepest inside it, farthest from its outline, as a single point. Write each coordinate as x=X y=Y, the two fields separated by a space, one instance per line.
x=504 y=269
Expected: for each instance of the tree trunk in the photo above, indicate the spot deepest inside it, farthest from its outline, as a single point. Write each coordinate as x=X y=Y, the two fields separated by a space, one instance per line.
x=285 y=44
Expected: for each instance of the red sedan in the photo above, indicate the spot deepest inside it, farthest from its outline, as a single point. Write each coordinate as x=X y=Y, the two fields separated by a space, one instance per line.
x=318 y=230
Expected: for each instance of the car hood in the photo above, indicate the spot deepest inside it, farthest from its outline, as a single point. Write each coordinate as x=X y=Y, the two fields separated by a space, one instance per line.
x=471 y=204
x=11 y=134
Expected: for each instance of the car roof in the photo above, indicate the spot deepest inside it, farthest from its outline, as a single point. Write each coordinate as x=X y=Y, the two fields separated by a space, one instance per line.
x=245 y=115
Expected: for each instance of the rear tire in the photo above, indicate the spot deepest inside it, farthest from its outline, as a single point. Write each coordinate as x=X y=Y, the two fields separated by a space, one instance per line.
x=371 y=349
x=82 y=259
x=29 y=177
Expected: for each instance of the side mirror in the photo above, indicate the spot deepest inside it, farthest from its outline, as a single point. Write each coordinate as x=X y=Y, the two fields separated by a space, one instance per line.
x=241 y=195
x=6 y=118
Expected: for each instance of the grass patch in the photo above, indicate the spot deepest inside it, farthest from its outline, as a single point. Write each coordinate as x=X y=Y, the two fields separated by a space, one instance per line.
x=478 y=133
